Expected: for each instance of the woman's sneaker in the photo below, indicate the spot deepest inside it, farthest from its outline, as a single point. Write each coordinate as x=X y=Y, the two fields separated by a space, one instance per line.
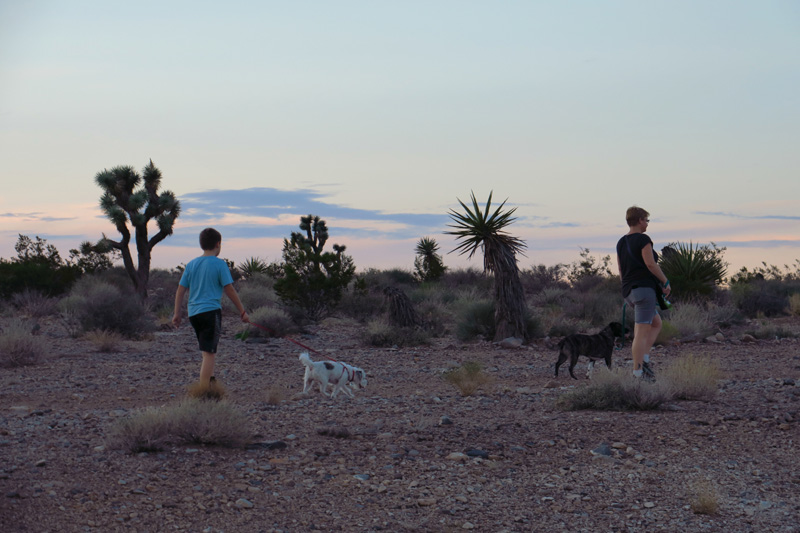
x=647 y=372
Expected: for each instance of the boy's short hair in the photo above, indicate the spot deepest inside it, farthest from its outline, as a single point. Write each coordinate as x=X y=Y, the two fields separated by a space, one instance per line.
x=209 y=238
x=634 y=214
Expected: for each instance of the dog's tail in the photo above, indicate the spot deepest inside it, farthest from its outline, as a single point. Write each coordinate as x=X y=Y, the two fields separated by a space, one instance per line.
x=305 y=359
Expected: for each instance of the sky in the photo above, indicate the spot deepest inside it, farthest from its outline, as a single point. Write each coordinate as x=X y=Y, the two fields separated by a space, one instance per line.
x=380 y=116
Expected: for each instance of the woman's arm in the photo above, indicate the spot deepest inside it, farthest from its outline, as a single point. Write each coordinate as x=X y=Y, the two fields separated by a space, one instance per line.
x=652 y=266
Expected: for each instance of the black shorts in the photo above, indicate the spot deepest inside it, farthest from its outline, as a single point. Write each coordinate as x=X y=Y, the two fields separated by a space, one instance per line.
x=208 y=327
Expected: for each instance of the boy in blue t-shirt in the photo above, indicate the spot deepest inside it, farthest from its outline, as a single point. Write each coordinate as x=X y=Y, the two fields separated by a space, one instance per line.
x=206 y=278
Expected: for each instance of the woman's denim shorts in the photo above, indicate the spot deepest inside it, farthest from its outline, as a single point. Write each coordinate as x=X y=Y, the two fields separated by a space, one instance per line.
x=643 y=301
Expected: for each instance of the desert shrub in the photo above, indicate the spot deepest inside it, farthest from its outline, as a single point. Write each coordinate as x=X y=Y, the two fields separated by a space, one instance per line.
x=469 y=277
x=161 y=288
x=596 y=307
x=794 y=304
x=46 y=278
x=692 y=377
x=467 y=378
x=564 y=326
x=540 y=278
x=724 y=316
x=191 y=421
x=766 y=330
x=104 y=340
x=476 y=319
x=381 y=333
x=96 y=305
x=615 y=390
x=551 y=296
x=362 y=305
x=254 y=296
x=760 y=297
x=34 y=303
x=690 y=319
x=277 y=322
x=19 y=346
x=703 y=498
x=668 y=332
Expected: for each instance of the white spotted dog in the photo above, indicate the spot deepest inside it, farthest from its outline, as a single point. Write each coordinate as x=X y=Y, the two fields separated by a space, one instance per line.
x=341 y=376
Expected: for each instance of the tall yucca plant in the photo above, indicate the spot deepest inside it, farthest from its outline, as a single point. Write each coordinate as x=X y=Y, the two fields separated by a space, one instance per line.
x=693 y=269
x=121 y=204
x=428 y=264
x=486 y=229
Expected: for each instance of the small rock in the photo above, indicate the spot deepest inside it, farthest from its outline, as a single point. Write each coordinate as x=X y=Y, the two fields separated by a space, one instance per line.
x=603 y=449
x=478 y=453
x=41 y=462
x=426 y=502
x=445 y=421
x=241 y=503
x=468 y=525
x=649 y=505
x=619 y=446
x=748 y=338
x=510 y=342
x=362 y=477
x=720 y=337
x=457 y=456
x=712 y=339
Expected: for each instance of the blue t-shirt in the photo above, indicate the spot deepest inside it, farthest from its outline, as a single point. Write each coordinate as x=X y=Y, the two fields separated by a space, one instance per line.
x=205 y=277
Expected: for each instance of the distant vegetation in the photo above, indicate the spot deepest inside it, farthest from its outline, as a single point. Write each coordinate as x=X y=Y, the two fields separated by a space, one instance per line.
x=396 y=307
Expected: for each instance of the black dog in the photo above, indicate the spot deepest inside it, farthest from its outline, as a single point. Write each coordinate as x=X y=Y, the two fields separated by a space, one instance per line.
x=598 y=346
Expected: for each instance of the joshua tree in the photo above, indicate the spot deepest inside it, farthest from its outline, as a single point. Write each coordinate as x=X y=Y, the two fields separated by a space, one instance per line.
x=309 y=278
x=428 y=264
x=121 y=203
x=476 y=228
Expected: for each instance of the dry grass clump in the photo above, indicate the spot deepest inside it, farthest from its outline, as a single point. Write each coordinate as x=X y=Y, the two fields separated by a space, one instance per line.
x=191 y=421
x=692 y=377
x=276 y=321
x=213 y=390
x=703 y=498
x=616 y=390
x=275 y=395
x=104 y=340
x=794 y=304
x=690 y=319
x=467 y=378
x=34 y=303
x=19 y=346
x=668 y=332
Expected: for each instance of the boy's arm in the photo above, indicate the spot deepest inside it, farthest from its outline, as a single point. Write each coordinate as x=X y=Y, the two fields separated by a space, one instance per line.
x=176 y=316
x=230 y=292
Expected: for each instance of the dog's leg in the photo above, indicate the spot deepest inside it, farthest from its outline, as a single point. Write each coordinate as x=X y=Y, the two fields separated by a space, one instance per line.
x=608 y=361
x=590 y=369
x=573 y=361
x=562 y=357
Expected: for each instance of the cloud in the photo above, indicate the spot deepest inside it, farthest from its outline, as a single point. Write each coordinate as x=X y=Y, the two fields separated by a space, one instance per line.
x=20 y=215
x=266 y=212
x=748 y=217
x=56 y=219
x=775 y=243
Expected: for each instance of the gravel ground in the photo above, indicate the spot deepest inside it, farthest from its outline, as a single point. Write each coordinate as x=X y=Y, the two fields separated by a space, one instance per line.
x=409 y=453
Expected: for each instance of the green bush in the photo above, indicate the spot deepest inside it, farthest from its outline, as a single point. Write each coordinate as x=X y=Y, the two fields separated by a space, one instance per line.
x=39 y=277
x=96 y=305
x=19 y=346
x=694 y=270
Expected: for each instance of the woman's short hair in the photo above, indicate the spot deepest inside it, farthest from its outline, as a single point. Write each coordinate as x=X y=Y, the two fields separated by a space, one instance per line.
x=209 y=238
x=634 y=214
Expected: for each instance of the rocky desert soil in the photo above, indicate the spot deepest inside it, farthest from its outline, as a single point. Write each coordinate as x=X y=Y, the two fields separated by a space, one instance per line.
x=409 y=453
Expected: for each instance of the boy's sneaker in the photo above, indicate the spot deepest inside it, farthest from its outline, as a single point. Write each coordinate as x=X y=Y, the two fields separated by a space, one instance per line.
x=647 y=372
